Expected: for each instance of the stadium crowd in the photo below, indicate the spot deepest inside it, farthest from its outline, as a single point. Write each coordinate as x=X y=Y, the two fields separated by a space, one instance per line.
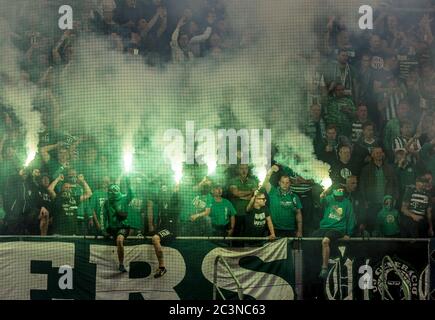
x=370 y=100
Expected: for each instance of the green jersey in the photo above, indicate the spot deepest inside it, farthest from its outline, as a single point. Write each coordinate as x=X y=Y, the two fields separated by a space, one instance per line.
x=338 y=215
x=250 y=184
x=192 y=203
x=112 y=212
x=283 y=207
x=388 y=222
x=221 y=211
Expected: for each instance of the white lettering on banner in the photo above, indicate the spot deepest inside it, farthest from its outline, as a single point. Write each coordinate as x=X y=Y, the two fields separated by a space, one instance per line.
x=113 y=285
x=423 y=284
x=66 y=281
x=390 y=283
x=366 y=20
x=15 y=266
x=253 y=282
x=66 y=20
x=366 y=280
x=337 y=275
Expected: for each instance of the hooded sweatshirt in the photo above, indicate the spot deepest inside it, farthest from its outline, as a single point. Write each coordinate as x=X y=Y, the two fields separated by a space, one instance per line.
x=338 y=215
x=388 y=220
x=116 y=208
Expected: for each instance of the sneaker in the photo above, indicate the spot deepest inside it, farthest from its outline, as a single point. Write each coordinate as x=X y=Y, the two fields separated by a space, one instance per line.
x=323 y=273
x=122 y=268
x=160 y=272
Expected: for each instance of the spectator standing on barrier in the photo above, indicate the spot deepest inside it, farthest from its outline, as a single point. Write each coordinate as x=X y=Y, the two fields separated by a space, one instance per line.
x=258 y=220
x=417 y=211
x=116 y=212
x=67 y=204
x=222 y=213
x=388 y=221
x=338 y=222
x=241 y=190
x=285 y=206
x=168 y=211
x=377 y=180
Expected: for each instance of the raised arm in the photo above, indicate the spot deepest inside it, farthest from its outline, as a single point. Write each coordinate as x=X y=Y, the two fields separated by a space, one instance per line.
x=266 y=183
x=87 y=190
x=45 y=151
x=202 y=37
x=251 y=202
x=164 y=21
x=53 y=185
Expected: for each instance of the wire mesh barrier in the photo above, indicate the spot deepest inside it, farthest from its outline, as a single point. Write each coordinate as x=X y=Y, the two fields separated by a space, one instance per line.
x=198 y=268
x=180 y=119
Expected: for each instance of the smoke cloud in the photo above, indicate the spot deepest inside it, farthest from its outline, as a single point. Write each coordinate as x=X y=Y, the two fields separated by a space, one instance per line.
x=127 y=104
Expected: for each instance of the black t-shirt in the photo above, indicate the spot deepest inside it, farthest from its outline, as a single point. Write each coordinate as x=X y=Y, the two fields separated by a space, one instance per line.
x=65 y=218
x=340 y=171
x=255 y=223
x=40 y=197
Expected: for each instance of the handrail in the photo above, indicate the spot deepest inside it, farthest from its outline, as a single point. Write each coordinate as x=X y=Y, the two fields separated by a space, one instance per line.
x=215 y=286
x=384 y=278
x=90 y=237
